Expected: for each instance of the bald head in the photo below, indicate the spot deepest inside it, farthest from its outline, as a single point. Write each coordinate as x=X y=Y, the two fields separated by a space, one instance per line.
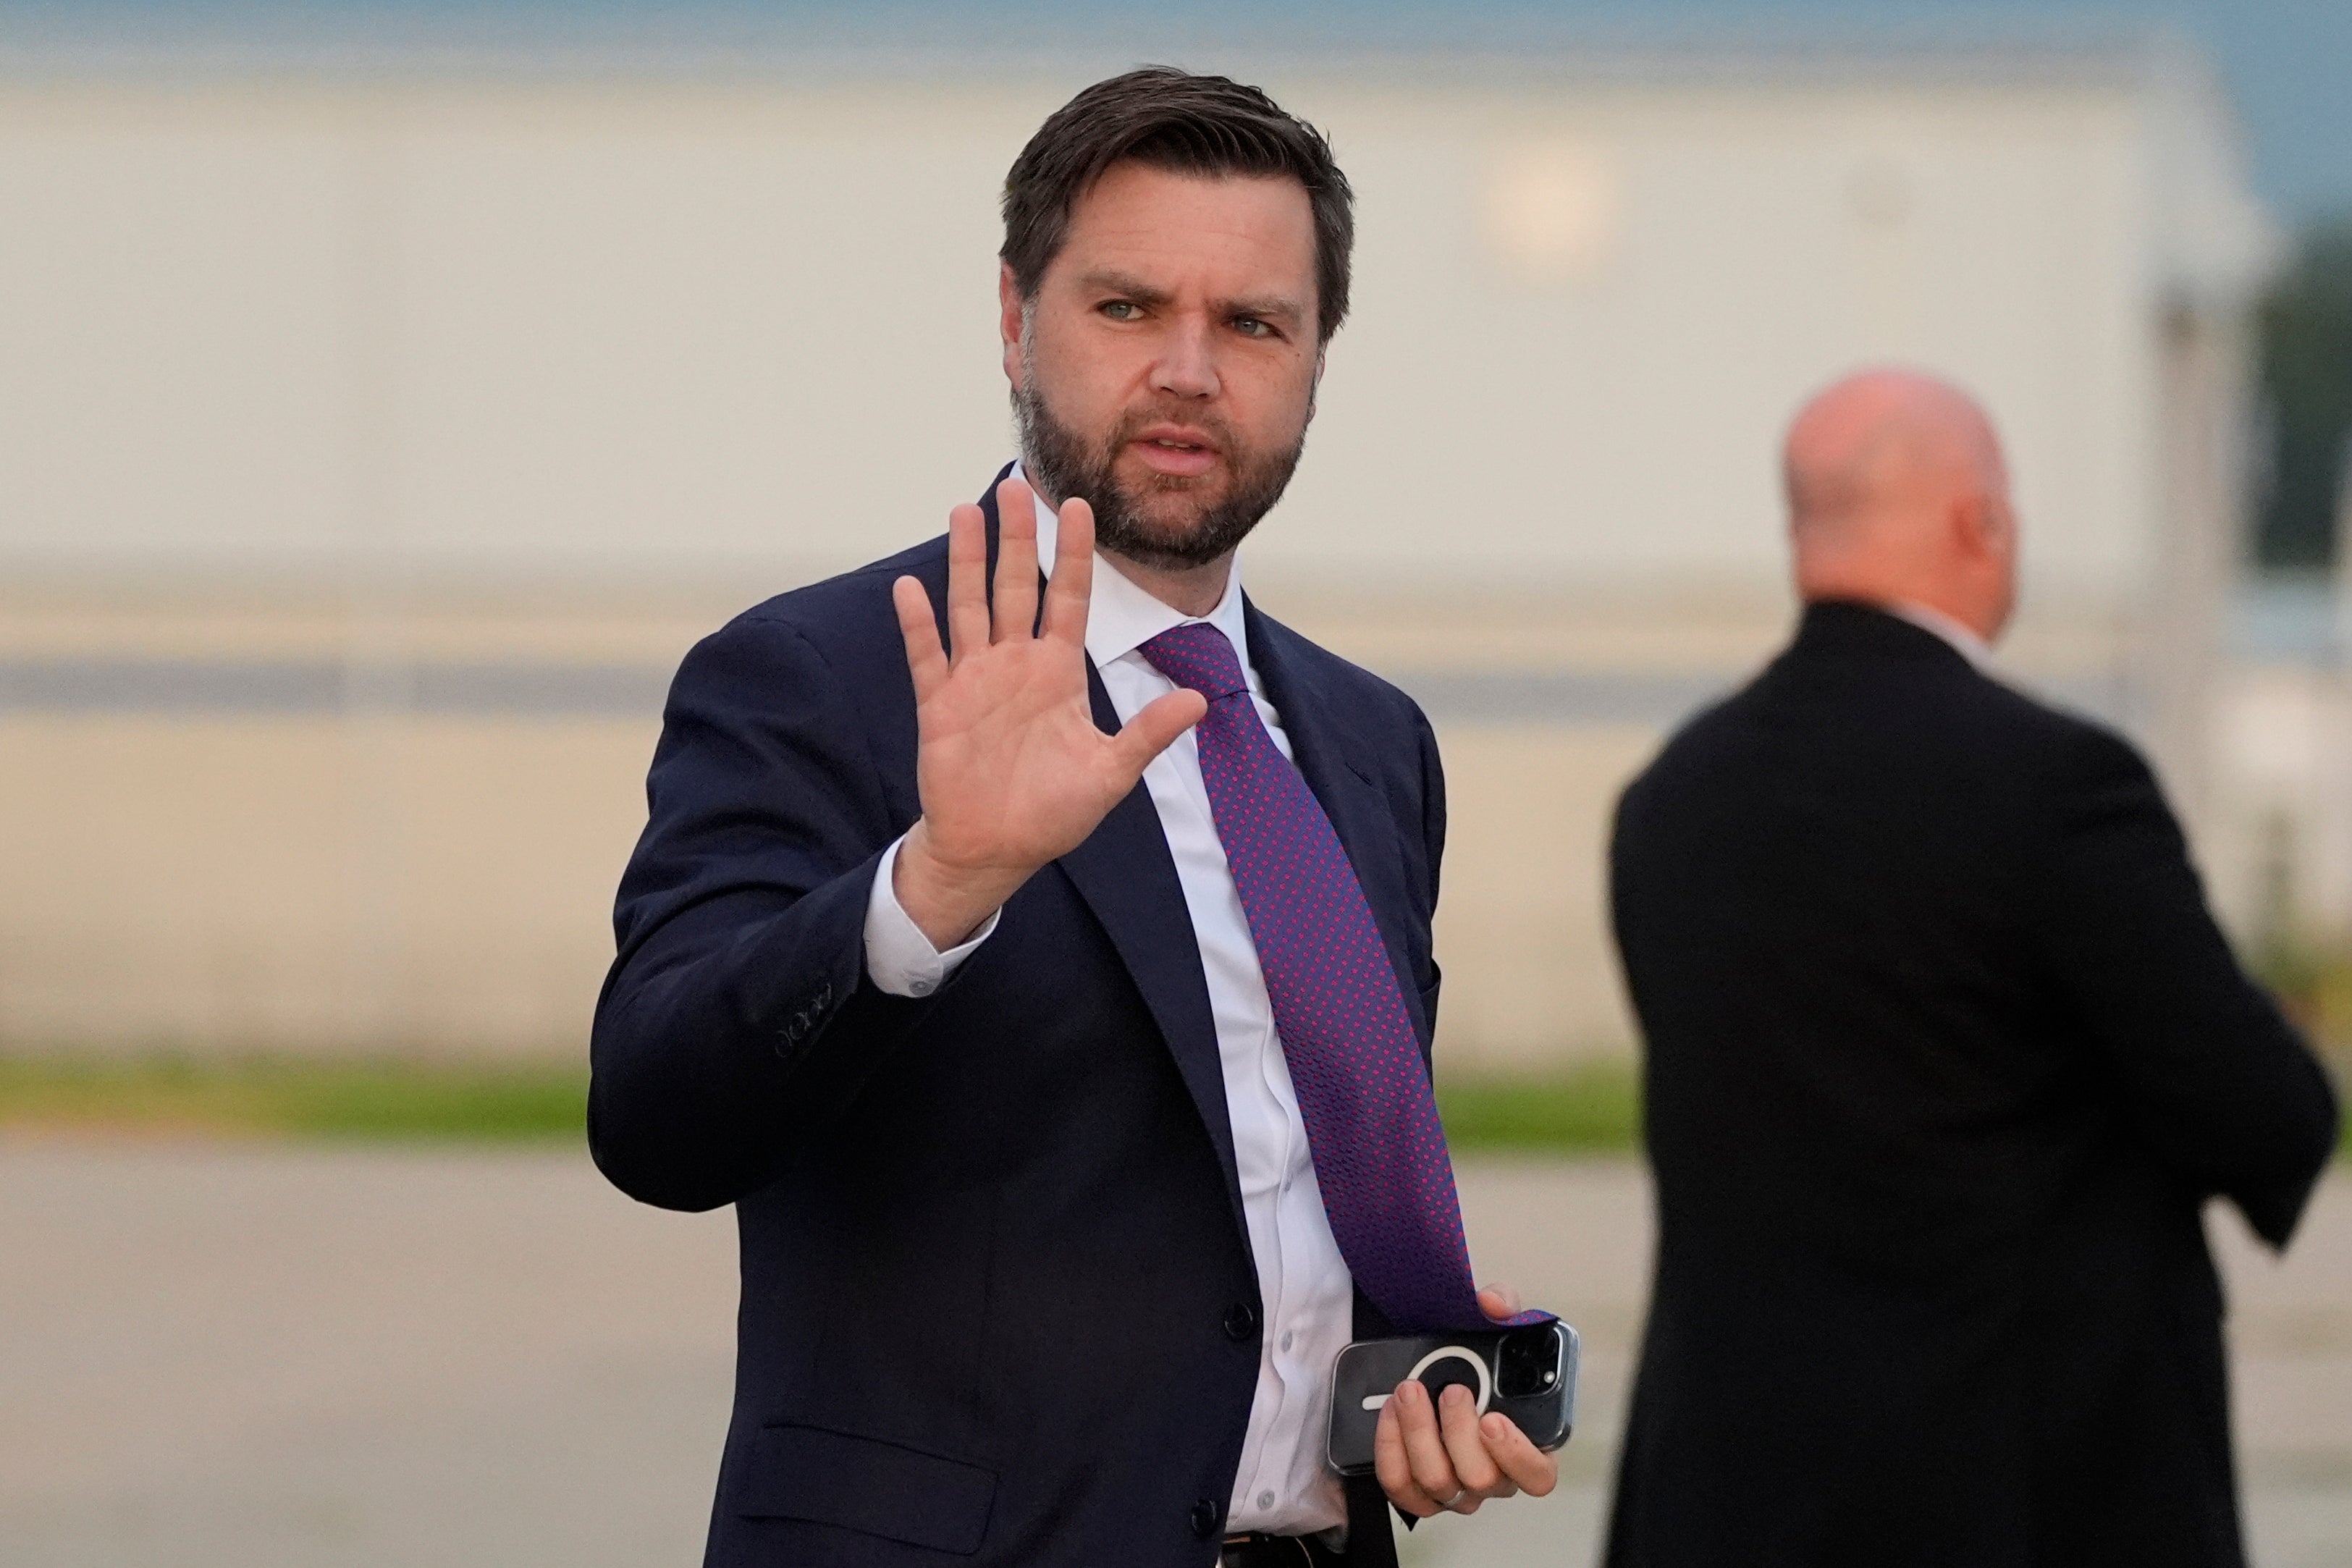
x=1897 y=494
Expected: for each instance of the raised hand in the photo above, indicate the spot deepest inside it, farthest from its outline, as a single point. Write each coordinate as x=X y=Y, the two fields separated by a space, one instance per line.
x=1011 y=768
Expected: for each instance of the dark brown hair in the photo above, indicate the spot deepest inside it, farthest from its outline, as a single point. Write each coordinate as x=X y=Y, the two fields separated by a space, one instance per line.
x=1173 y=120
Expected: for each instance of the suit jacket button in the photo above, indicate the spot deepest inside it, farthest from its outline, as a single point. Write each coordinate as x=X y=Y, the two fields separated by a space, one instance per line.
x=1206 y=1516
x=1240 y=1322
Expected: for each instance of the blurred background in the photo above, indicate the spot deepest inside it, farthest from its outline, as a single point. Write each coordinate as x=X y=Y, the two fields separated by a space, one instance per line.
x=391 y=393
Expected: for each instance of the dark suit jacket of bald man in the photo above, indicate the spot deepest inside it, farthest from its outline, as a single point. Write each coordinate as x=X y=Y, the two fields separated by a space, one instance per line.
x=999 y=1306
x=1945 y=1057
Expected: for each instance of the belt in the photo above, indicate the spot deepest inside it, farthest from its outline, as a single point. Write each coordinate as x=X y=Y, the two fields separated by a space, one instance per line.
x=1258 y=1550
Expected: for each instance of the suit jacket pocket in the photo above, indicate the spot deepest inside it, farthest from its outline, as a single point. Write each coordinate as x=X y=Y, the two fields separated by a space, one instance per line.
x=865 y=1484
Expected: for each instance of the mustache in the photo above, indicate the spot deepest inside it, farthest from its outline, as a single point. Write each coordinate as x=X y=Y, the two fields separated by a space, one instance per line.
x=1135 y=421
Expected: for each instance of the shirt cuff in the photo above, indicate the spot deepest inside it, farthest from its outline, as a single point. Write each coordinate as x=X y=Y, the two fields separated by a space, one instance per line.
x=899 y=959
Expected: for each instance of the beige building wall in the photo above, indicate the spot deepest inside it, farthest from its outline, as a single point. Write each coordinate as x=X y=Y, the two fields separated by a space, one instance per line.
x=370 y=447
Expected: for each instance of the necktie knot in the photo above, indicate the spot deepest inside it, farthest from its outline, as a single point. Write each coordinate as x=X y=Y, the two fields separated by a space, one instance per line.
x=1198 y=656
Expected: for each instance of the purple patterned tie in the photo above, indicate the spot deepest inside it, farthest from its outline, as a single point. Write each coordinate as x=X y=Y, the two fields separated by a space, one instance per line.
x=1371 y=1120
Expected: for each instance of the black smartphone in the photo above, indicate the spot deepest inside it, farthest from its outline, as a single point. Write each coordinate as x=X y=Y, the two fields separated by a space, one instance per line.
x=1529 y=1374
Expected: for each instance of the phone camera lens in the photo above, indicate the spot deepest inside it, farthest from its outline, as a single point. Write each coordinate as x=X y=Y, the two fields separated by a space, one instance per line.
x=1528 y=1362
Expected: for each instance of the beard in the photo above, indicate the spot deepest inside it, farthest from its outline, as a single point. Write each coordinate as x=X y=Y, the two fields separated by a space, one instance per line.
x=1165 y=526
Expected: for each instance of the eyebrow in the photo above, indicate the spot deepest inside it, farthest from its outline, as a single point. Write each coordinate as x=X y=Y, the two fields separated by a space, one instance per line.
x=1126 y=285
x=1109 y=280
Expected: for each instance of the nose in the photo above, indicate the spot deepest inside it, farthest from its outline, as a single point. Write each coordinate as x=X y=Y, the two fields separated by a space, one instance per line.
x=1187 y=366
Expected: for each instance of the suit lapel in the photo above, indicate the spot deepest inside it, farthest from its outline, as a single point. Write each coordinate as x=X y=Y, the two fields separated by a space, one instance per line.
x=1329 y=753
x=1128 y=879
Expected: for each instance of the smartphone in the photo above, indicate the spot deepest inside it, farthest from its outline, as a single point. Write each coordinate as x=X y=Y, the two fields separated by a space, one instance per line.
x=1529 y=1374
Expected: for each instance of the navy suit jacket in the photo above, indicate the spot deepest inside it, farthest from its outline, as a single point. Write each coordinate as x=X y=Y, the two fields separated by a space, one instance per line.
x=999 y=1305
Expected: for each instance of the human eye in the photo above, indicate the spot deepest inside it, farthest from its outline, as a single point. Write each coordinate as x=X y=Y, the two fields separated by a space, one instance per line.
x=1254 y=327
x=1121 y=310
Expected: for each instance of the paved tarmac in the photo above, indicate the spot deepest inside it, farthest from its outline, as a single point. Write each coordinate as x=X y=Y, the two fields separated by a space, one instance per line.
x=218 y=1355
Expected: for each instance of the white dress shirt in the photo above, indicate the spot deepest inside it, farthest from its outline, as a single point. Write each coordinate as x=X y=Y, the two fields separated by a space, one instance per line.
x=1283 y=1486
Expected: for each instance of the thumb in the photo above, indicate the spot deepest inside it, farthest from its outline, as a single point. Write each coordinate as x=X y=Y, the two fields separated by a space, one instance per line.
x=1498 y=1301
x=1152 y=731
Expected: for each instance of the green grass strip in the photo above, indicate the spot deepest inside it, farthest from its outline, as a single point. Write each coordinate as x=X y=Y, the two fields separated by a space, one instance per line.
x=1593 y=1108
x=386 y=1100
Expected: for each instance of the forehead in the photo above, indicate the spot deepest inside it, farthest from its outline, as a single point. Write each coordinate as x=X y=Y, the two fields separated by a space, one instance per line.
x=1224 y=228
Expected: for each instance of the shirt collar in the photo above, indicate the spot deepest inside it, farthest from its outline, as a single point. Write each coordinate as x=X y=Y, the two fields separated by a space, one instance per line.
x=1962 y=639
x=1123 y=616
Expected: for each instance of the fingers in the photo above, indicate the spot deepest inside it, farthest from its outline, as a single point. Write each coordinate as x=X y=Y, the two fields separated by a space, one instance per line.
x=1016 y=561
x=1391 y=1465
x=1457 y=1425
x=925 y=660
x=1071 y=587
x=966 y=581
x=1424 y=1447
x=1528 y=1468
x=1439 y=1456
x=1498 y=1301
x=1155 y=728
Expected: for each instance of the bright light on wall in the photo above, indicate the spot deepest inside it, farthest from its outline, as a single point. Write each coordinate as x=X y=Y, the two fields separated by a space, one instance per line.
x=1550 y=212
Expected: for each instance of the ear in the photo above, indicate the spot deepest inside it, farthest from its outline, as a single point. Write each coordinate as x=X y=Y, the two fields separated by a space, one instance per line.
x=1314 y=386
x=1979 y=531
x=1012 y=310
x=2002 y=519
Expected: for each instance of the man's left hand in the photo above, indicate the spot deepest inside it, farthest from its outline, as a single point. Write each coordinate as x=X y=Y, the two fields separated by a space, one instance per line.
x=1439 y=1456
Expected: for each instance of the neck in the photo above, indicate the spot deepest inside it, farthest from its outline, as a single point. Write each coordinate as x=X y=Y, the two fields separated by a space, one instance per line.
x=1189 y=590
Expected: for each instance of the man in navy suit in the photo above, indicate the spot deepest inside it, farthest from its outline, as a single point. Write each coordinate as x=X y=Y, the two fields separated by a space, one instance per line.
x=933 y=962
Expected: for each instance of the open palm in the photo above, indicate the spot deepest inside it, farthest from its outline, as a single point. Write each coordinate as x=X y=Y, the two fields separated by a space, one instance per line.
x=1012 y=769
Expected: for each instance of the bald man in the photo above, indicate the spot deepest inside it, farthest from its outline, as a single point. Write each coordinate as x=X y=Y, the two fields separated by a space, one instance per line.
x=1945 y=1058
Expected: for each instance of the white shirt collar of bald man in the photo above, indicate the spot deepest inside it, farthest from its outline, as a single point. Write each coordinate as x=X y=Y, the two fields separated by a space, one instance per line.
x=1963 y=640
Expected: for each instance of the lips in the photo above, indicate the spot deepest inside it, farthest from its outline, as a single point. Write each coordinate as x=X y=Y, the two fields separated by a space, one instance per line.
x=1178 y=451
